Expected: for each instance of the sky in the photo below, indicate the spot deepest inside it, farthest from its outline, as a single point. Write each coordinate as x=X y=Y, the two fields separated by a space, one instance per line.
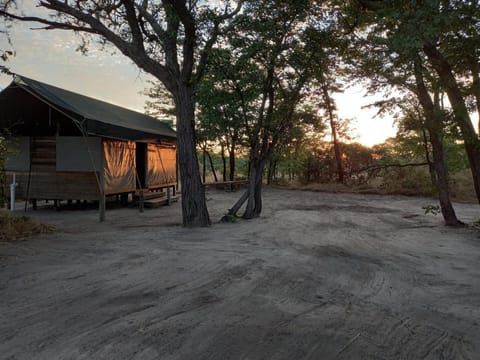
x=50 y=56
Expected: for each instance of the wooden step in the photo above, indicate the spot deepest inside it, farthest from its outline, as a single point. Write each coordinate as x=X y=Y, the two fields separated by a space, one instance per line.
x=147 y=195
x=153 y=203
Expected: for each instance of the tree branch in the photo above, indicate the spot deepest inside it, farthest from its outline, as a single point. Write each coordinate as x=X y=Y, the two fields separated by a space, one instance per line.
x=385 y=166
x=51 y=24
x=212 y=39
x=137 y=37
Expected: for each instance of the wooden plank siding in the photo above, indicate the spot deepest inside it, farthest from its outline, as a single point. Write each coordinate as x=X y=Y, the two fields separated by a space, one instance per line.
x=56 y=185
x=43 y=154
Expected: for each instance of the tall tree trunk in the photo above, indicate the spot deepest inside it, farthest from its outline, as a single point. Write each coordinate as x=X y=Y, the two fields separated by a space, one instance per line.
x=254 y=201
x=211 y=166
x=333 y=127
x=434 y=125
x=431 y=165
x=462 y=117
x=231 y=162
x=272 y=166
x=204 y=164
x=253 y=194
x=270 y=171
x=224 y=163
x=476 y=88
x=194 y=206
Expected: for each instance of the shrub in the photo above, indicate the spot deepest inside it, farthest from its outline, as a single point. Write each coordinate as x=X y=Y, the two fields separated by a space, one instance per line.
x=20 y=227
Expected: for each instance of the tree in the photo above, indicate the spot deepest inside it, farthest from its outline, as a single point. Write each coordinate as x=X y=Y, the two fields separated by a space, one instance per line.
x=278 y=49
x=329 y=105
x=433 y=123
x=220 y=111
x=171 y=40
x=391 y=58
x=4 y=56
x=446 y=32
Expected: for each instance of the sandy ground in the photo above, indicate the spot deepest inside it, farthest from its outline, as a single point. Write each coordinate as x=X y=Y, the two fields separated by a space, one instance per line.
x=318 y=276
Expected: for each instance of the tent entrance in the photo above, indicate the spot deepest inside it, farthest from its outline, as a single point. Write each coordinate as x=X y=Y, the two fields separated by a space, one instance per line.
x=141 y=164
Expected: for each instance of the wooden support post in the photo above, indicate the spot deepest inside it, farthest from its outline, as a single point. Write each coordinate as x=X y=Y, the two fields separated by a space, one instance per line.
x=123 y=199
x=102 y=203
x=102 y=207
x=141 y=201
x=169 y=196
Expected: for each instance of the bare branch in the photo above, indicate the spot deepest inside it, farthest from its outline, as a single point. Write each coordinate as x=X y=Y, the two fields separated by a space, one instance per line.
x=188 y=22
x=161 y=34
x=50 y=24
x=202 y=63
x=133 y=23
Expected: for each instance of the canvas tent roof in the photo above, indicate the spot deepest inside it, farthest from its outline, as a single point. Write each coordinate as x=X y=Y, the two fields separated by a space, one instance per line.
x=97 y=117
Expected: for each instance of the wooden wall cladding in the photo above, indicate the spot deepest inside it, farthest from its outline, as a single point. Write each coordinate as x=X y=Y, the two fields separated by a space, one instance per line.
x=56 y=185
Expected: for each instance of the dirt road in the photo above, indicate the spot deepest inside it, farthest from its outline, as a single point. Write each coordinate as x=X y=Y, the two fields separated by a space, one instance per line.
x=318 y=276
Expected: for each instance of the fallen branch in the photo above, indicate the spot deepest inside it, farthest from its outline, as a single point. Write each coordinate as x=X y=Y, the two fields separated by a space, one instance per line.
x=385 y=166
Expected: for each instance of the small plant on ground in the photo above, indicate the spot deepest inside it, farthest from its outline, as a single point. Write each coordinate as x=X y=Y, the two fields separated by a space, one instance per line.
x=229 y=218
x=431 y=209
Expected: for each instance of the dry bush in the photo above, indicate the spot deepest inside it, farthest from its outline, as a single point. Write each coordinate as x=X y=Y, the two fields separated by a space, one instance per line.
x=333 y=187
x=404 y=181
x=461 y=187
x=411 y=181
x=20 y=227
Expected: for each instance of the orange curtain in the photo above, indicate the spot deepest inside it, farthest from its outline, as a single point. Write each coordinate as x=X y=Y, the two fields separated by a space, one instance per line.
x=119 y=166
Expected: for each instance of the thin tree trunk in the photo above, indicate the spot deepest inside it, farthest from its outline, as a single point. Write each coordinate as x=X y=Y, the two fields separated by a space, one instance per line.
x=476 y=88
x=272 y=167
x=231 y=162
x=211 y=166
x=249 y=211
x=204 y=164
x=238 y=205
x=270 y=171
x=431 y=165
x=258 y=190
x=224 y=164
x=462 y=117
x=194 y=206
x=434 y=124
x=333 y=127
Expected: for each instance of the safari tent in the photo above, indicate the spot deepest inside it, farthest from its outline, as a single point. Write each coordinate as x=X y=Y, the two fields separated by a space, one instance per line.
x=66 y=146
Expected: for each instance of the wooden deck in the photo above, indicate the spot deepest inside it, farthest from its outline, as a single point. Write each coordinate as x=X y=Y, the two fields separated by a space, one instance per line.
x=152 y=199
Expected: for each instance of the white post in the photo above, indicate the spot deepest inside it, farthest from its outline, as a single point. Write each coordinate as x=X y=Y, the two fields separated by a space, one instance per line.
x=12 y=192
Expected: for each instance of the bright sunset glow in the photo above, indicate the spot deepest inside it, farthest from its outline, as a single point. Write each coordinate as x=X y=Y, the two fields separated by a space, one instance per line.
x=366 y=128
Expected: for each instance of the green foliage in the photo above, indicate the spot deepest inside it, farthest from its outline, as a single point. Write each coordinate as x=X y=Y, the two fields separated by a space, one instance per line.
x=455 y=155
x=314 y=161
x=160 y=102
x=241 y=164
x=229 y=218
x=255 y=92
x=406 y=181
x=431 y=209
